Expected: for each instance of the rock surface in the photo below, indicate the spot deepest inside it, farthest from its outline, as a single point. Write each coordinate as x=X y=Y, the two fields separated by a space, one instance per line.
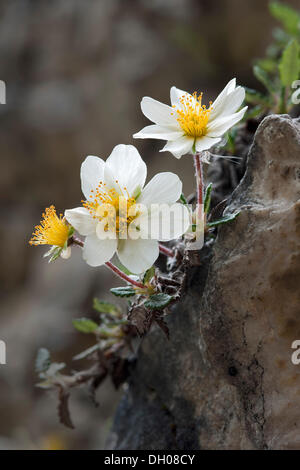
x=225 y=380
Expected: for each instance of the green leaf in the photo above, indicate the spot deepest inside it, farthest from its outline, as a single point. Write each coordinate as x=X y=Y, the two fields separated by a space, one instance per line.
x=231 y=136
x=71 y=231
x=54 y=253
x=149 y=275
x=43 y=360
x=264 y=78
x=269 y=64
x=289 y=64
x=124 y=269
x=105 y=307
x=256 y=111
x=207 y=198
x=123 y=291
x=85 y=325
x=289 y=17
x=158 y=301
x=223 y=220
x=254 y=97
x=183 y=199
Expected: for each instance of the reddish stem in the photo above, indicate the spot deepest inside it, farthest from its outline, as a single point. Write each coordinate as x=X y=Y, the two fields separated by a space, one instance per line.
x=166 y=251
x=199 y=178
x=77 y=241
x=123 y=275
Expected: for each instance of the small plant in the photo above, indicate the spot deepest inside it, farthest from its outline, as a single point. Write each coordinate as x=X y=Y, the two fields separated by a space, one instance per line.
x=280 y=69
x=122 y=217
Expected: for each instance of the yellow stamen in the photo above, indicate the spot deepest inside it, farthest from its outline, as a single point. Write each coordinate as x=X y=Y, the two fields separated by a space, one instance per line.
x=193 y=116
x=53 y=230
x=102 y=199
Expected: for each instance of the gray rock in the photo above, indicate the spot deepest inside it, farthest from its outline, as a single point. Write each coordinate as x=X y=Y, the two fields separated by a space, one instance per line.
x=225 y=380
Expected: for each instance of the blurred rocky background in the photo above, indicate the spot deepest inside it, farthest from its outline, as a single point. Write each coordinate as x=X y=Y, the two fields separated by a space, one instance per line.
x=75 y=72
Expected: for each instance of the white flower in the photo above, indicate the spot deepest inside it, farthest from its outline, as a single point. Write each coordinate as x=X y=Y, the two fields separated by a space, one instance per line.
x=54 y=231
x=117 y=181
x=189 y=126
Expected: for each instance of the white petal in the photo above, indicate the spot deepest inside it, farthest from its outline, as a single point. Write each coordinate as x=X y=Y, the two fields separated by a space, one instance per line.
x=158 y=113
x=219 y=101
x=81 y=220
x=138 y=255
x=104 y=234
x=163 y=188
x=96 y=252
x=205 y=143
x=158 y=132
x=91 y=173
x=176 y=94
x=126 y=166
x=168 y=222
x=220 y=126
x=230 y=104
x=179 y=146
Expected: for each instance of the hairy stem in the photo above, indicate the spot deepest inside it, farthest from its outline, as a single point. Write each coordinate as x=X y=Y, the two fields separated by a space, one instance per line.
x=75 y=241
x=199 y=178
x=123 y=276
x=112 y=267
x=166 y=251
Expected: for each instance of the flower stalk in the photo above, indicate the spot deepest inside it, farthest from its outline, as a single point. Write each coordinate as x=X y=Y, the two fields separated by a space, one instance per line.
x=166 y=251
x=199 y=180
x=75 y=241
x=123 y=276
x=112 y=267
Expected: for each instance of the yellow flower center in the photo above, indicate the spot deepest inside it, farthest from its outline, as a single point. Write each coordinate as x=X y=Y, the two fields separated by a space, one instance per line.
x=112 y=206
x=193 y=116
x=53 y=230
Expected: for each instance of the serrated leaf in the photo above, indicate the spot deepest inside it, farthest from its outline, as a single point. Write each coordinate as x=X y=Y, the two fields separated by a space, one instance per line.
x=289 y=64
x=123 y=291
x=264 y=78
x=43 y=360
x=105 y=307
x=207 y=198
x=158 y=301
x=149 y=275
x=84 y=325
x=289 y=17
x=223 y=220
